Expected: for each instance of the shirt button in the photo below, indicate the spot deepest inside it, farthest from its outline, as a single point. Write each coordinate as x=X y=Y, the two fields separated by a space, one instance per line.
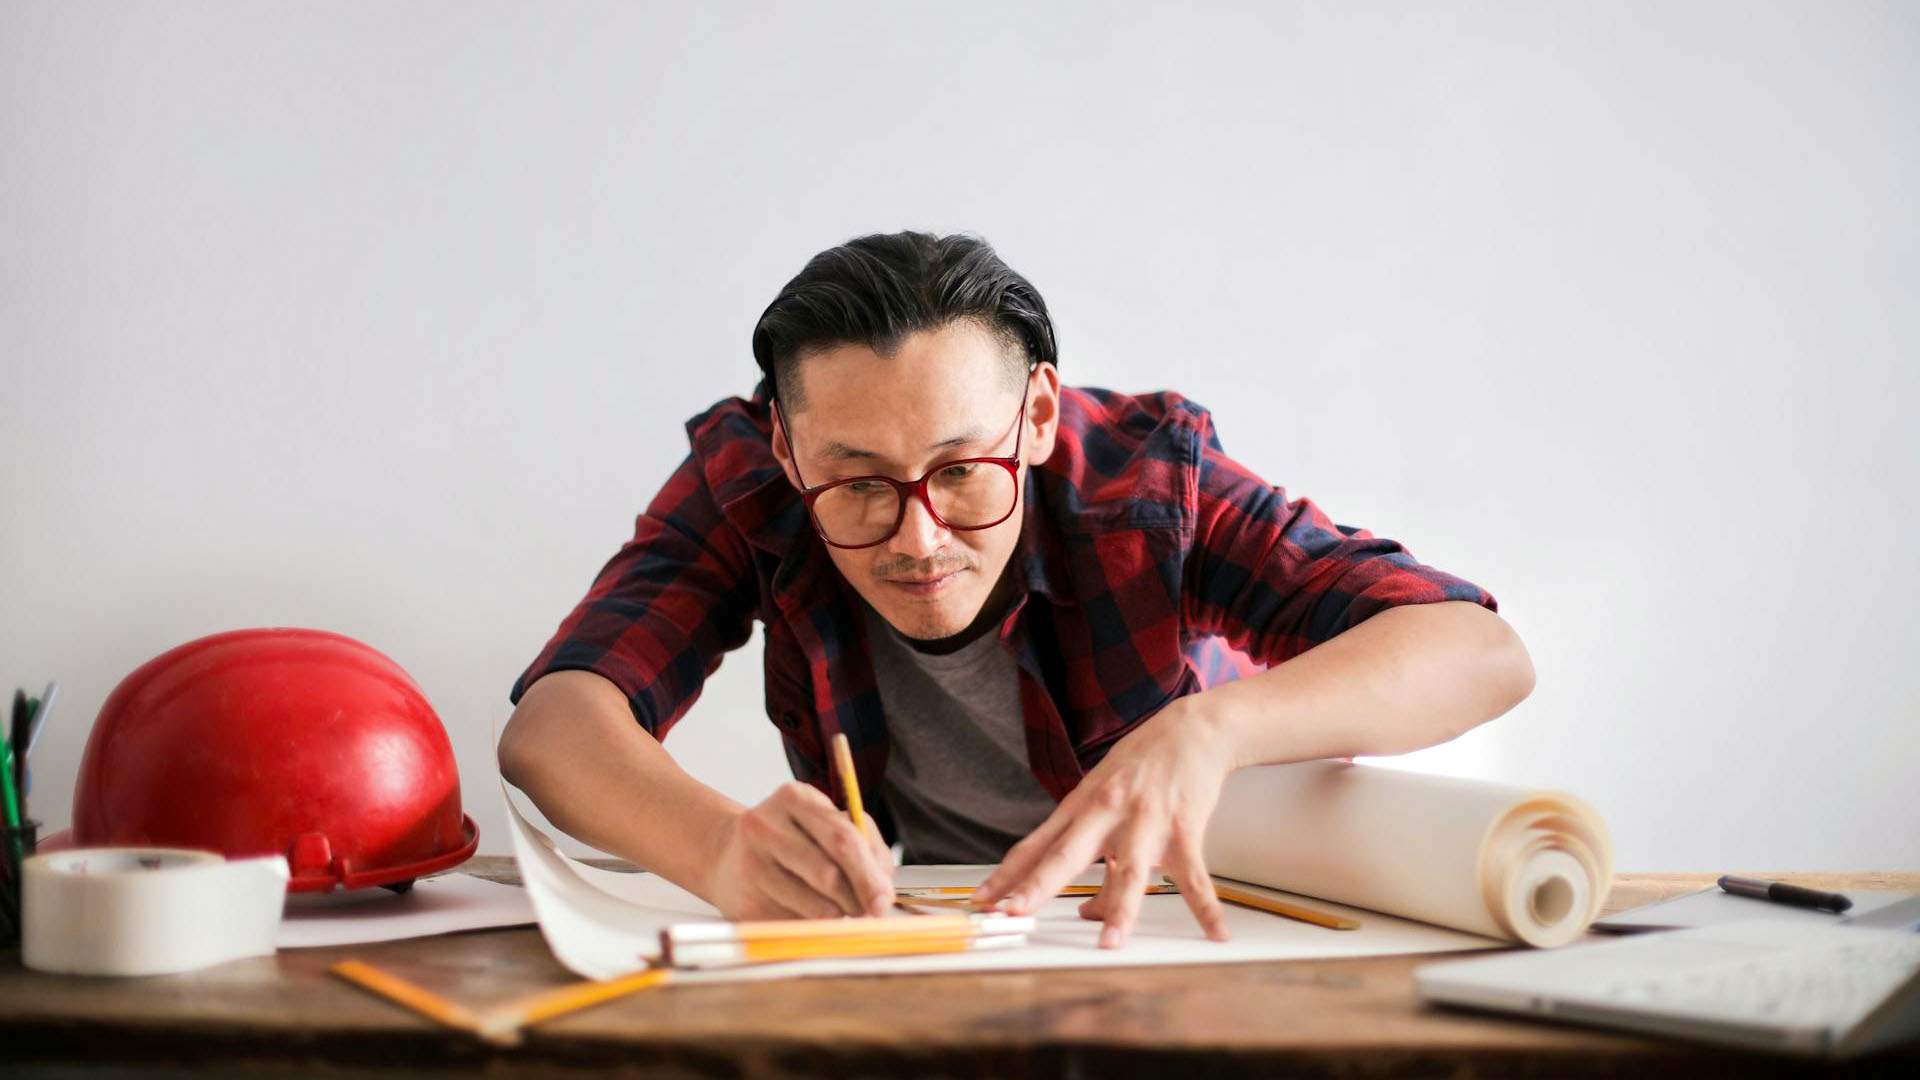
x=788 y=722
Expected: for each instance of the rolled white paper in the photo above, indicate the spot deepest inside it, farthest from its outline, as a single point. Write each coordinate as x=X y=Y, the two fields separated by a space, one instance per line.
x=1494 y=859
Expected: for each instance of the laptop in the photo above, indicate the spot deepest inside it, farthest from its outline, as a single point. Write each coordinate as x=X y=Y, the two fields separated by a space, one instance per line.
x=1831 y=990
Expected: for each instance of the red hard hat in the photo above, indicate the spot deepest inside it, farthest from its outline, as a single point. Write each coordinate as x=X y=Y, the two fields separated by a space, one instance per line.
x=277 y=741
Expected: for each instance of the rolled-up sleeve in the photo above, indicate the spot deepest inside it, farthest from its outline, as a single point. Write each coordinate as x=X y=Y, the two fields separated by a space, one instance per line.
x=1275 y=576
x=665 y=610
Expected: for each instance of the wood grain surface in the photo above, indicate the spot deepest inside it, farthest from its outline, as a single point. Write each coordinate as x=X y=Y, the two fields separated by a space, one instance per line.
x=1345 y=1018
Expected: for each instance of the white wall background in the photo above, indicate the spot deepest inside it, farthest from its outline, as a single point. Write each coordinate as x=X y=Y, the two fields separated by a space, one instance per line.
x=385 y=319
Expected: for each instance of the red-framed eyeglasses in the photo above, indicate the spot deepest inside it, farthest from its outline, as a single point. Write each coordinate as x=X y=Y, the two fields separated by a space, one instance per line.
x=965 y=494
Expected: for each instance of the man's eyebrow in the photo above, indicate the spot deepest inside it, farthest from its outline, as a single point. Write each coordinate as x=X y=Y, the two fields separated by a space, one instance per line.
x=839 y=451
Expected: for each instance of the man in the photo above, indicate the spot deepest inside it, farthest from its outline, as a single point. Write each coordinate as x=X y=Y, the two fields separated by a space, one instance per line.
x=1025 y=604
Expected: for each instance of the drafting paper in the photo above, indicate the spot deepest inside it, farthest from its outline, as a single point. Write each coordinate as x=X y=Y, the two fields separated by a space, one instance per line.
x=602 y=923
x=437 y=905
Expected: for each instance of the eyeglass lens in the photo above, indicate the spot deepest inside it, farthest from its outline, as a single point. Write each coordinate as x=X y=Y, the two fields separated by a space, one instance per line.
x=967 y=495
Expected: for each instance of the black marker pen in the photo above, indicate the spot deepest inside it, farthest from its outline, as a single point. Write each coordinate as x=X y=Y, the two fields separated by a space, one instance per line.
x=1781 y=893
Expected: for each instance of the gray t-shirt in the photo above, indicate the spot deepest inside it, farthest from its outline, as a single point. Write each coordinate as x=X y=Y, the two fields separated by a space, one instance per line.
x=957 y=778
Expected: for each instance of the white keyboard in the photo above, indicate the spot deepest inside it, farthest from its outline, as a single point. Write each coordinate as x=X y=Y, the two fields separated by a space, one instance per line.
x=1821 y=989
x=1831 y=983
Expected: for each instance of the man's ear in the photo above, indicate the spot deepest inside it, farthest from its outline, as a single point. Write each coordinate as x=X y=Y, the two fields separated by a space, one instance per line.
x=779 y=446
x=1043 y=412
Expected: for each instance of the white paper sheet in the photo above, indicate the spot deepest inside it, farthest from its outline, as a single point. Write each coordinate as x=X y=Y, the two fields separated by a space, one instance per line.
x=437 y=905
x=601 y=924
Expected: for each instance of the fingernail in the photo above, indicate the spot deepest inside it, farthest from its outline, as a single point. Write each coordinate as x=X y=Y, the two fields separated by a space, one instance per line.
x=1110 y=938
x=1015 y=901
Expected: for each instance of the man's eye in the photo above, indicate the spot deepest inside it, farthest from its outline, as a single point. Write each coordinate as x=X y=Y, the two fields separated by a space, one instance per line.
x=864 y=487
x=959 y=472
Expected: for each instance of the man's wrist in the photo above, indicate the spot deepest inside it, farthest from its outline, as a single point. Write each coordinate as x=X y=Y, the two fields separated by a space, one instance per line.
x=714 y=841
x=1213 y=725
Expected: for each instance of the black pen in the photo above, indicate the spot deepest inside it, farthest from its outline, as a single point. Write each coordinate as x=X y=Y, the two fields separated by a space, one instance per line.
x=1782 y=893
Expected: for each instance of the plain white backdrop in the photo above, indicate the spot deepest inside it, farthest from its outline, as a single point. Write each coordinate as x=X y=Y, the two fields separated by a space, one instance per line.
x=386 y=319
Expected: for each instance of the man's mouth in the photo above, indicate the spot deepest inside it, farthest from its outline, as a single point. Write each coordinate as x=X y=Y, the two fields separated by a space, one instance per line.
x=925 y=586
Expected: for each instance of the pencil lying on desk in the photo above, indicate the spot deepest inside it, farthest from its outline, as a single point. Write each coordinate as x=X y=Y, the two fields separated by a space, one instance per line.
x=913 y=902
x=1280 y=907
x=956 y=895
x=400 y=991
x=706 y=933
x=502 y=1023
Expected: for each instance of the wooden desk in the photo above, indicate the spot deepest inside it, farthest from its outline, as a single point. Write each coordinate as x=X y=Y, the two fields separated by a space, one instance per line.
x=1345 y=1018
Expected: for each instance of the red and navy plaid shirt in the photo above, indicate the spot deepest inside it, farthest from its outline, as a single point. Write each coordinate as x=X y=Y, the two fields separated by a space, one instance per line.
x=1154 y=566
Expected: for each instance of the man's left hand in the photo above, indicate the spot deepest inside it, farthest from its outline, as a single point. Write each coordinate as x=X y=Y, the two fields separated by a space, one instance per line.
x=1144 y=806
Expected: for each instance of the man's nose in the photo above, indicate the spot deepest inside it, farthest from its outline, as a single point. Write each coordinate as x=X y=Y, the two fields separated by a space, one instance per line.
x=919 y=536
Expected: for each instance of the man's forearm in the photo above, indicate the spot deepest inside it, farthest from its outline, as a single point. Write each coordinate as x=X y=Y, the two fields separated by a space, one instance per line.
x=1407 y=678
x=573 y=747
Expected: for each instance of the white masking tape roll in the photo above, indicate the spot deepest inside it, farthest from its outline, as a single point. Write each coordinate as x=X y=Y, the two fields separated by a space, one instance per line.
x=146 y=911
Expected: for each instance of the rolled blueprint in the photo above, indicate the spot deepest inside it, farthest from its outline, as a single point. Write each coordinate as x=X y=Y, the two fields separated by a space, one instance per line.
x=1494 y=859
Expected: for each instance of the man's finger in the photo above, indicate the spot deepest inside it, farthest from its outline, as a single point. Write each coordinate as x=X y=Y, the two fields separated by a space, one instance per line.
x=1126 y=883
x=1071 y=853
x=869 y=887
x=882 y=854
x=1094 y=909
x=795 y=850
x=801 y=900
x=1020 y=858
x=1196 y=886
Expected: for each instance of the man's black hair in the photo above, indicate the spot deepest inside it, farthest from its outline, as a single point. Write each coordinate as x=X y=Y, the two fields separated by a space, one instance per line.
x=878 y=290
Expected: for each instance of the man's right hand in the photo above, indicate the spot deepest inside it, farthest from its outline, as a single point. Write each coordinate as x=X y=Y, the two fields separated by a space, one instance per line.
x=796 y=855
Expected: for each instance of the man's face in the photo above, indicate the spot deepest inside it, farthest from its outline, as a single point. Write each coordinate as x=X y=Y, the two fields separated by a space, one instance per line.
x=943 y=395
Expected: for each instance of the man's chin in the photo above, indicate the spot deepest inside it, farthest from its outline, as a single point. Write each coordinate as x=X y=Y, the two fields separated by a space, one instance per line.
x=929 y=620
x=923 y=623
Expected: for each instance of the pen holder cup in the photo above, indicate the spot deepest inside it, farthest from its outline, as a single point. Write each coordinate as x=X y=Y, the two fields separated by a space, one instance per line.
x=28 y=835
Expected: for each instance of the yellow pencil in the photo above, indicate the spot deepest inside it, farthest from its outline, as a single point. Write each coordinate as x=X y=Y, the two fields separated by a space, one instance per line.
x=843 y=764
x=1281 y=907
x=914 y=901
x=713 y=944
x=702 y=933
x=732 y=954
x=502 y=1023
x=400 y=991
x=937 y=894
